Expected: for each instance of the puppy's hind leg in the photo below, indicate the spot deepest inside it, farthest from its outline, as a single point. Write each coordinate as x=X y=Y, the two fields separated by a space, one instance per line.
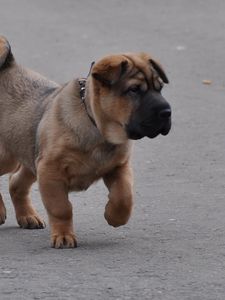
x=7 y=164
x=19 y=186
x=2 y=211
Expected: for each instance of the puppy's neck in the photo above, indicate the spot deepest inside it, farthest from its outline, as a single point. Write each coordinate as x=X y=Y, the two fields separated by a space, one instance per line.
x=70 y=110
x=85 y=96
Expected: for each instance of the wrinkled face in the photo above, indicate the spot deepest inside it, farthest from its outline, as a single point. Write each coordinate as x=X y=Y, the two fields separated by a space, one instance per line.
x=127 y=102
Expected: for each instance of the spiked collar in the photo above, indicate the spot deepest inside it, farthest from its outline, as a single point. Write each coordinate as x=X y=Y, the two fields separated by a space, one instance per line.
x=82 y=83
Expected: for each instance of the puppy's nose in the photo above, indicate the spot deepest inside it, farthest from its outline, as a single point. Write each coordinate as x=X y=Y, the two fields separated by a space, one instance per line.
x=165 y=113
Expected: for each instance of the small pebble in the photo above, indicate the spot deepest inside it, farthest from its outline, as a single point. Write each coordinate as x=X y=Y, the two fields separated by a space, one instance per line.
x=181 y=48
x=206 y=81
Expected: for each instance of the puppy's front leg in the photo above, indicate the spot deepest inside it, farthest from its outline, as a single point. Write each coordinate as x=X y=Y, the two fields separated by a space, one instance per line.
x=120 y=186
x=55 y=198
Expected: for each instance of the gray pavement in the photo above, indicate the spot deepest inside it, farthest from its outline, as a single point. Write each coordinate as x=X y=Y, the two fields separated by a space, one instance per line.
x=174 y=245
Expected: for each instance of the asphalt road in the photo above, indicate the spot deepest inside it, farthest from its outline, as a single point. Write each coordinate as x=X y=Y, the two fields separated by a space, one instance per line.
x=173 y=248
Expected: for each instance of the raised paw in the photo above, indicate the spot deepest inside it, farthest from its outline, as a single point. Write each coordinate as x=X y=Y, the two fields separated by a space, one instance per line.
x=30 y=222
x=113 y=221
x=63 y=241
x=117 y=215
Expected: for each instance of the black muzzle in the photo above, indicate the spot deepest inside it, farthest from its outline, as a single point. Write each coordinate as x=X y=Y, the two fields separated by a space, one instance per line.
x=151 y=118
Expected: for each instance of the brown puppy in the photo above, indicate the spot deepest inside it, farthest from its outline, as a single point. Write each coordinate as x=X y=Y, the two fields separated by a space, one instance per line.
x=69 y=136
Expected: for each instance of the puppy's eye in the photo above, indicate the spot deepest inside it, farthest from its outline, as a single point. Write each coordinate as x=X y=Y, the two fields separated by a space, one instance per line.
x=158 y=85
x=134 y=89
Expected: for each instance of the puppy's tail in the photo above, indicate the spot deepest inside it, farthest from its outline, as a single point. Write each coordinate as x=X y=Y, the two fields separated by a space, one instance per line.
x=6 y=57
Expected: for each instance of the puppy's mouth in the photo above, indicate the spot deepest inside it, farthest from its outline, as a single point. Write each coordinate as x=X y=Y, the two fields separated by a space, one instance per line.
x=138 y=131
x=166 y=129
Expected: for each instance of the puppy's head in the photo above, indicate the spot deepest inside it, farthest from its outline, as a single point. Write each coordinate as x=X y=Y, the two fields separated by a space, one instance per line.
x=127 y=102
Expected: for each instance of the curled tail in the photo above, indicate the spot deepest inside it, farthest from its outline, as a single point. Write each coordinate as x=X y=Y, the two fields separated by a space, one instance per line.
x=6 y=57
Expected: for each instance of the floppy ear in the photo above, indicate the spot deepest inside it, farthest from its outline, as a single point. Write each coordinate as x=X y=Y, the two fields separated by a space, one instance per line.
x=5 y=52
x=157 y=67
x=109 y=70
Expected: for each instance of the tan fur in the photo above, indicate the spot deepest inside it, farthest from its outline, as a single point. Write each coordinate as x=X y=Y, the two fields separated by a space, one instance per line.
x=45 y=133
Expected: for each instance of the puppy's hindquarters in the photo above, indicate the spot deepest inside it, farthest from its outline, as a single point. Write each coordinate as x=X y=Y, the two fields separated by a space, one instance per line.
x=7 y=163
x=23 y=96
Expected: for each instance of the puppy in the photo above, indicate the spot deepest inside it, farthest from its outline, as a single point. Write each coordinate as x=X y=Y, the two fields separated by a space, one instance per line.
x=68 y=136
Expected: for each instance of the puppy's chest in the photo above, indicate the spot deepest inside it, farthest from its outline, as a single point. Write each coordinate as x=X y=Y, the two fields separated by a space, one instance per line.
x=85 y=168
